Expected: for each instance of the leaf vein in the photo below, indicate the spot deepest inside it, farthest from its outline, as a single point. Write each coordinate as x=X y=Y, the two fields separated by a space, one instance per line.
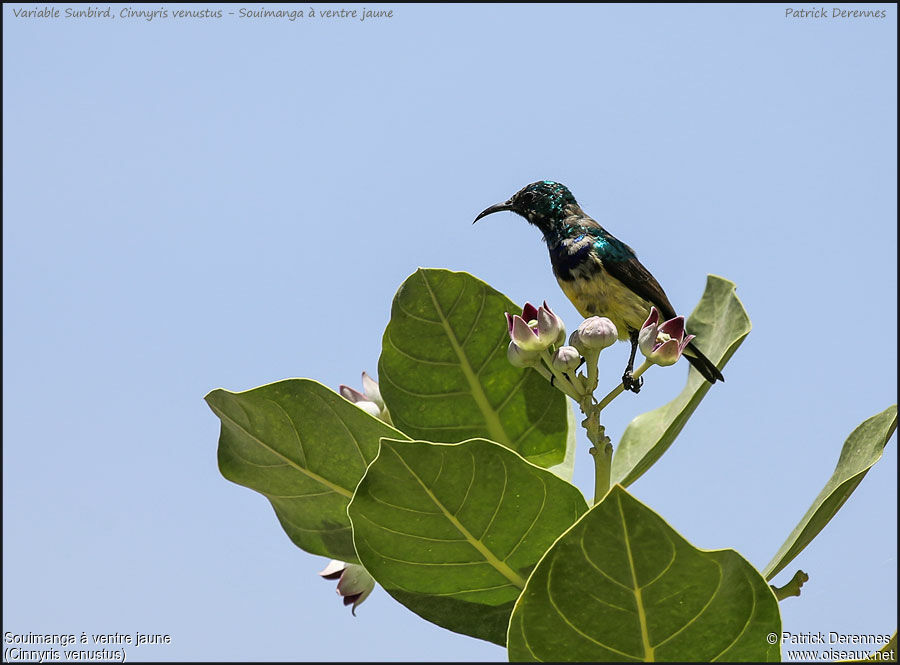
x=572 y=625
x=411 y=535
x=491 y=417
x=489 y=556
x=311 y=474
x=533 y=522
x=442 y=363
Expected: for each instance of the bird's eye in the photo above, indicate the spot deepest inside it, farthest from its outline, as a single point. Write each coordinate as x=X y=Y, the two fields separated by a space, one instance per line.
x=527 y=198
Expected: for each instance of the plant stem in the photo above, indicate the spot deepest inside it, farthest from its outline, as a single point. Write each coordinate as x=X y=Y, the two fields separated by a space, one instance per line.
x=602 y=470
x=792 y=588
x=601 y=451
x=543 y=371
x=562 y=381
x=593 y=377
x=619 y=389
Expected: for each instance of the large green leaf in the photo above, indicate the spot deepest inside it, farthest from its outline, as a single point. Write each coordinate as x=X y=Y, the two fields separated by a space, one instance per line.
x=304 y=448
x=622 y=585
x=566 y=468
x=453 y=530
x=444 y=373
x=720 y=323
x=861 y=450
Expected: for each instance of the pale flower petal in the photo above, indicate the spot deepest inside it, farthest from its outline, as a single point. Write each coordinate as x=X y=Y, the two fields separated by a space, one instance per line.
x=373 y=392
x=351 y=394
x=663 y=344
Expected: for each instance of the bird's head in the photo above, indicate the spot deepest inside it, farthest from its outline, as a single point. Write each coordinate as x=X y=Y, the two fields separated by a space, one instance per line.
x=545 y=204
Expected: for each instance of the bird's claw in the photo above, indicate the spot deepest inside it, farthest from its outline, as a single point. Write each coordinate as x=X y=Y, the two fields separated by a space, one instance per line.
x=631 y=383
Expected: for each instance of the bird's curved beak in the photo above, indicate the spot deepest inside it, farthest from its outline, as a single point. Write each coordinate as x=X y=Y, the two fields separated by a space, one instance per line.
x=500 y=207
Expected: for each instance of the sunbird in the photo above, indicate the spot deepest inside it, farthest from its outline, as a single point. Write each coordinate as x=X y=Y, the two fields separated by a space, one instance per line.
x=599 y=273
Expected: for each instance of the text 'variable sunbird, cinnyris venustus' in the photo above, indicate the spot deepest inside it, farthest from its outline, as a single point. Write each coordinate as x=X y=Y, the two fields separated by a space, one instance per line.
x=599 y=273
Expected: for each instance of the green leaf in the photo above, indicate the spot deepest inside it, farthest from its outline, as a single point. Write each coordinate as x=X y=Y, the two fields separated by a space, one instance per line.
x=861 y=450
x=445 y=377
x=566 y=468
x=720 y=323
x=622 y=585
x=304 y=448
x=453 y=530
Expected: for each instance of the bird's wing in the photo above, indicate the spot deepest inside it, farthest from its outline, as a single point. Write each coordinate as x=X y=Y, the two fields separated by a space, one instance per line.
x=636 y=277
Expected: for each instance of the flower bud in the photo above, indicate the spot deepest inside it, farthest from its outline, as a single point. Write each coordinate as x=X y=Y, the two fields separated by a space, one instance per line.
x=550 y=328
x=566 y=359
x=536 y=329
x=663 y=344
x=370 y=402
x=593 y=335
x=521 y=358
x=354 y=585
x=523 y=335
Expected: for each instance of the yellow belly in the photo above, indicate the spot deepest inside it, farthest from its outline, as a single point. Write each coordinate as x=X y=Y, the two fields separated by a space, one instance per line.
x=602 y=295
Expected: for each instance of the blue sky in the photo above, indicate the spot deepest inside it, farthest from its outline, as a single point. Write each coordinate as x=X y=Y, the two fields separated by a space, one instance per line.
x=193 y=204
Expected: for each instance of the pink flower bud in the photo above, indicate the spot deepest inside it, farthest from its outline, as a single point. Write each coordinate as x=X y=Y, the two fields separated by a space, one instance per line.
x=663 y=344
x=354 y=582
x=536 y=329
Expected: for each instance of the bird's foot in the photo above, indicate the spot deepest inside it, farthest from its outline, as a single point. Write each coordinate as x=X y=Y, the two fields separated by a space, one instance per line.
x=631 y=383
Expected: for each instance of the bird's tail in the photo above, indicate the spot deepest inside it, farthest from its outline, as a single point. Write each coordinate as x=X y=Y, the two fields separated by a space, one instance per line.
x=703 y=364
